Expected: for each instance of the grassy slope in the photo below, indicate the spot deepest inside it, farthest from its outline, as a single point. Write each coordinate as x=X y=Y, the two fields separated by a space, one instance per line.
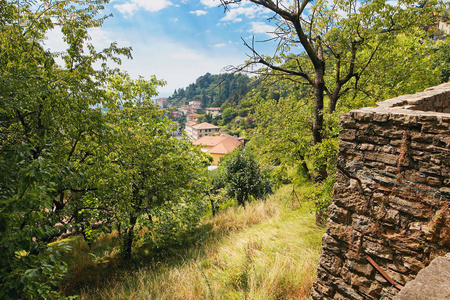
x=267 y=251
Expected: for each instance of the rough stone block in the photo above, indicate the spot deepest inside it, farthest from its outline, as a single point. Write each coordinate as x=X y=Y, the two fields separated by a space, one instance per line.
x=363 y=116
x=390 y=215
x=364 y=269
x=433 y=282
x=373 y=139
x=378 y=250
x=434 y=181
x=361 y=223
x=339 y=232
x=338 y=214
x=345 y=290
x=348 y=134
x=387 y=158
x=430 y=118
x=348 y=145
x=398 y=267
x=412 y=263
x=366 y=147
x=331 y=263
x=330 y=244
x=412 y=208
x=415 y=176
x=381 y=117
x=323 y=290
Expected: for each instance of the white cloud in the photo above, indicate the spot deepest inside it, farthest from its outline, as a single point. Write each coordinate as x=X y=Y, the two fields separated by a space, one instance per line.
x=210 y=3
x=250 y=12
x=219 y=45
x=198 y=12
x=261 y=27
x=126 y=9
x=176 y=63
x=131 y=6
x=175 y=20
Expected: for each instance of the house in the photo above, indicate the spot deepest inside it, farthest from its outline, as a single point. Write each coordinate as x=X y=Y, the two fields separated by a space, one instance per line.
x=203 y=129
x=188 y=128
x=444 y=27
x=161 y=102
x=214 y=111
x=217 y=146
x=195 y=103
x=176 y=114
x=192 y=117
x=185 y=109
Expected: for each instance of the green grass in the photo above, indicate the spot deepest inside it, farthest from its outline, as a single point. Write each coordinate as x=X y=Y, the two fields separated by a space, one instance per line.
x=267 y=251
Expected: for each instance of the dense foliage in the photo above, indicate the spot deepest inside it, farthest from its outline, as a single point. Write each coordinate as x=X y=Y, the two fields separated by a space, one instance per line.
x=243 y=177
x=66 y=165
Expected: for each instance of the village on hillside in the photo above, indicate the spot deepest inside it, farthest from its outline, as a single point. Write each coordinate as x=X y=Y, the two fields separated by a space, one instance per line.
x=204 y=135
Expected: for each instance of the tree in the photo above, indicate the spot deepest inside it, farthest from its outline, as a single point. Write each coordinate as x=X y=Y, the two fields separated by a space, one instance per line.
x=333 y=37
x=48 y=126
x=443 y=60
x=154 y=172
x=243 y=176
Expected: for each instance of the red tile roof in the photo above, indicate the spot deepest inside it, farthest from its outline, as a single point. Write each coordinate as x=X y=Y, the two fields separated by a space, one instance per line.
x=220 y=144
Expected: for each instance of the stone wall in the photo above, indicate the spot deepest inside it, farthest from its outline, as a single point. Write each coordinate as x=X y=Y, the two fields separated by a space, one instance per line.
x=391 y=199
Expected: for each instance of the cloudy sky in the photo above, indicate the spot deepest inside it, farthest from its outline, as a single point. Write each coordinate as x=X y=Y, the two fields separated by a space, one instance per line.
x=180 y=40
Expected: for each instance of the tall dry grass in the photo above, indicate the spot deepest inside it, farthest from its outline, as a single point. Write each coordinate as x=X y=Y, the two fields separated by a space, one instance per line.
x=267 y=251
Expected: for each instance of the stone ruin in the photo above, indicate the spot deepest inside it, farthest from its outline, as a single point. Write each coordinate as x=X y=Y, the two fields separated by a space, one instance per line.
x=391 y=197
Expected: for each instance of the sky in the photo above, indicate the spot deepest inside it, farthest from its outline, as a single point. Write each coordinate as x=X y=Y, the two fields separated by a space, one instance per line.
x=180 y=40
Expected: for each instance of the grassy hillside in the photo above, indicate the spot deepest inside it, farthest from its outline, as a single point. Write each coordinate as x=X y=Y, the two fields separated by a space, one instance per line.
x=267 y=251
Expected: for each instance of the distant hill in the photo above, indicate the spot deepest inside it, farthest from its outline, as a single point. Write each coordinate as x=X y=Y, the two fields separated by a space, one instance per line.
x=213 y=90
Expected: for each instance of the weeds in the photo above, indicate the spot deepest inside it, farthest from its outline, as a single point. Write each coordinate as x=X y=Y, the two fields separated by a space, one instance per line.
x=267 y=251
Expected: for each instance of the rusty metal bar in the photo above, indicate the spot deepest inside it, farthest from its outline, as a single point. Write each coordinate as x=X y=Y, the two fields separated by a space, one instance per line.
x=398 y=286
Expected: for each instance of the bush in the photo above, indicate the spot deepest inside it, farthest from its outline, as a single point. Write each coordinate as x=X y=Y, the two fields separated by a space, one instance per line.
x=244 y=178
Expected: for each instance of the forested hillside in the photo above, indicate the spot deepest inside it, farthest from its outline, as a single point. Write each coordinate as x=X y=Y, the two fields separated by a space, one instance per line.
x=213 y=90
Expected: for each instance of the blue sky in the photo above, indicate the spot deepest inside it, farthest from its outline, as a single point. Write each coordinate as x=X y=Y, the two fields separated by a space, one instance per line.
x=179 y=41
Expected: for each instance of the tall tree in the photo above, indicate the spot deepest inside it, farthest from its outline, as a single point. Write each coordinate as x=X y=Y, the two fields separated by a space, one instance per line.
x=332 y=36
x=48 y=125
x=153 y=172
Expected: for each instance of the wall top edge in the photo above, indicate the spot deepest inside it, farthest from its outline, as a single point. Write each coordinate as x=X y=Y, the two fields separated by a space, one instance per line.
x=413 y=104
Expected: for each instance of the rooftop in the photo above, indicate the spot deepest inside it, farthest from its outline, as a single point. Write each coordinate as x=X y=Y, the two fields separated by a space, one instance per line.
x=220 y=144
x=226 y=146
x=205 y=125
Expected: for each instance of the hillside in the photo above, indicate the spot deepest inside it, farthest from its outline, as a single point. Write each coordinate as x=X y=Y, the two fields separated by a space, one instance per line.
x=267 y=251
x=213 y=90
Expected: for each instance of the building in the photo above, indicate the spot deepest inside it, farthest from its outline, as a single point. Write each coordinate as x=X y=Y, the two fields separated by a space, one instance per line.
x=217 y=146
x=162 y=102
x=195 y=103
x=444 y=27
x=176 y=114
x=202 y=129
x=185 y=109
x=188 y=128
x=214 y=111
x=196 y=107
x=192 y=117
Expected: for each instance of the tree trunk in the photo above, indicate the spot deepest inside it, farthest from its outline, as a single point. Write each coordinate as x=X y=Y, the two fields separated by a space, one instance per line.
x=129 y=238
x=213 y=205
x=319 y=90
